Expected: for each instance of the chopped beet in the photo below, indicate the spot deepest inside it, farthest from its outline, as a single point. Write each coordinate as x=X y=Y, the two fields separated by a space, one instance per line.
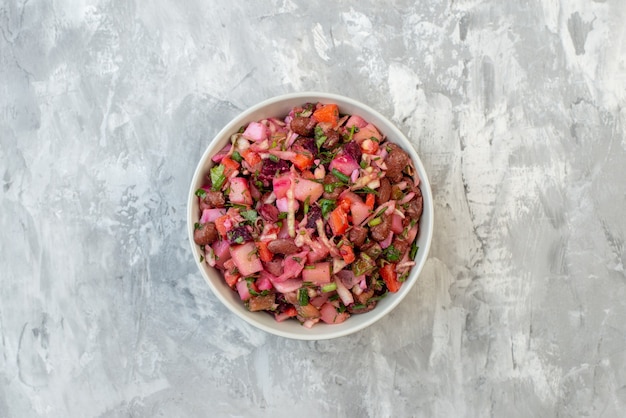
x=239 y=235
x=354 y=150
x=270 y=169
x=269 y=212
x=315 y=213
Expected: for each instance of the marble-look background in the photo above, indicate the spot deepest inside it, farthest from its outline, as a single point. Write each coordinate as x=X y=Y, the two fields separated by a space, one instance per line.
x=517 y=109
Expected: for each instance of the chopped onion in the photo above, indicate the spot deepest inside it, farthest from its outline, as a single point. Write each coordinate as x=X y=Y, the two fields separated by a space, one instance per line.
x=344 y=293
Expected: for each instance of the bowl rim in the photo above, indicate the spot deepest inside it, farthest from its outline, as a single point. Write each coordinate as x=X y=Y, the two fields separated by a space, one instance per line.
x=330 y=331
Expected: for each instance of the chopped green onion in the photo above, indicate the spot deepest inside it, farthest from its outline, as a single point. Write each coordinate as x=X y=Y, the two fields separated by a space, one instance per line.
x=363 y=164
x=380 y=212
x=340 y=175
x=391 y=253
x=201 y=258
x=413 y=251
x=197 y=226
x=329 y=287
x=306 y=204
x=309 y=267
x=282 y=215
x=236 y=156
x=375 y=221
x=303 y=296
x=366 y=190
x=201 y=193
x=274 y=158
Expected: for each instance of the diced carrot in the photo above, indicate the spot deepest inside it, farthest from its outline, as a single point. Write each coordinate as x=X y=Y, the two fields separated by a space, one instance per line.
x=230 y=165
x=344 y=203
x=302 y=161
x=389 y=275
x=338 y=221
x=250 y=156
x=231 y=276
x=264 y=253
x=347 y=253
x=291 y=311
x=327 y=113
x=370 y=200
x=220 y=225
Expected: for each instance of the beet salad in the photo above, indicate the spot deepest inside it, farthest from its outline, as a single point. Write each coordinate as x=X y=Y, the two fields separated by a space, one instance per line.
x=313 y=216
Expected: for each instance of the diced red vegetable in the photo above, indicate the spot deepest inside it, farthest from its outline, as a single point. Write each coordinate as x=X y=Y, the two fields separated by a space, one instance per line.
x=230 y=166
x=264 y=253
x=347 y=253
x=338 y=221
x=251 y=157
x=370 y=201
x=389 y=275
x=220 y=225
x=302 y=161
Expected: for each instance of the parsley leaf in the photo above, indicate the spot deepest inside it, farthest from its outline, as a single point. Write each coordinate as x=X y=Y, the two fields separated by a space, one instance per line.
x=320 y=138
x=391 y=253
x=217 y=177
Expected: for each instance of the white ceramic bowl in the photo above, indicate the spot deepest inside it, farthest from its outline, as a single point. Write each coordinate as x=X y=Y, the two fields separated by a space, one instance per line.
x=279 y=107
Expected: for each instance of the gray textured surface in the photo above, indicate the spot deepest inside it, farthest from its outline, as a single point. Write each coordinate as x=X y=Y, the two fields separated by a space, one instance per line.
x=517 y=109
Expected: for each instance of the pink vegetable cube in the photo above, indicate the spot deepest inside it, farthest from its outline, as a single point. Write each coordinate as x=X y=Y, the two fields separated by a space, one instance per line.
x=308 y=189
x=222 y=252
x=330 y=315
x=360 y=211
x=246 y=258
x=242 y=289
x=355 y=120
x=240 y=192
x=281 y=185
x=367 y=132
x=396 y=223
x=255 y=132
x=319 y=274
x=344 y=163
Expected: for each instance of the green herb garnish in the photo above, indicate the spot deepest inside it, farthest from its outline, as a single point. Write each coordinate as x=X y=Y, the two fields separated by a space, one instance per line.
x=309 y=267
x=217 y=177
x=249 y=215
x=236 y=156
x=320 y=138
x=391 y=253
x=282 y=215
x=413 y=251
x=197 y=226
x=274 y=158
x=249 y=282
x=201 y=193
x=327 y=206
